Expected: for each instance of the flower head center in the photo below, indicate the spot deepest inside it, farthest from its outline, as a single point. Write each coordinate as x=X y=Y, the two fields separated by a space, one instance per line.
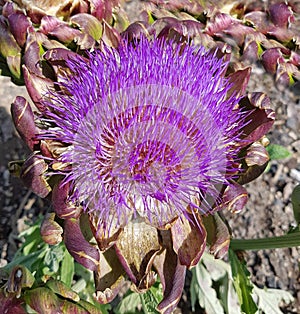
x=155 y=163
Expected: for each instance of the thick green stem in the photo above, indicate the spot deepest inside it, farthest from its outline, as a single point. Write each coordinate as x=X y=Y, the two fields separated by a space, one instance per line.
x=285 y=241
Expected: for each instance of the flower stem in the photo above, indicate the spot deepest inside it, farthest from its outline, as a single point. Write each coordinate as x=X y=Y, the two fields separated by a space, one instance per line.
x=285 y=241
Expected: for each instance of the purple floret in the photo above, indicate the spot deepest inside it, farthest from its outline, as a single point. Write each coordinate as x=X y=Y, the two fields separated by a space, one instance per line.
x=151 y=131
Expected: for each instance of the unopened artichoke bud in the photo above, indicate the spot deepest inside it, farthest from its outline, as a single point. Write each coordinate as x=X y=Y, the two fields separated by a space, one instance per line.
x=20 y=277
x=51 y=231
x=32 y=174
x=23 y=119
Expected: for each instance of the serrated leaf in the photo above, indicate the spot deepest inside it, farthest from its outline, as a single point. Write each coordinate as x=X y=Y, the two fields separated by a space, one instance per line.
x=157 y=291
x=242 y=284
x=277 y=152
x=296 y=203
x=148 y=303
x=216 y=268
x=207 y=295
x=128 y=304
x=269 y=299
x=151 y=299
x=228 y=295
x=220 y=273
x=53 y=257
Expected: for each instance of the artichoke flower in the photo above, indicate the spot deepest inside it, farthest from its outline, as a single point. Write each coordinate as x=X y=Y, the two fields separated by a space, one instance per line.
x=140 y=146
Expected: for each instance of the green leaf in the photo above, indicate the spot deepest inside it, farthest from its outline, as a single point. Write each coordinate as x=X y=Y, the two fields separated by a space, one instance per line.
x=128 y=304
x=194 y=290
x=157 y=291
x=67 y=269
x=94 y=308
x=216 y=268
x=85 y=287
x=242 y=284
x=228 y=296
x=27 y=261
x=33 y=240
x=220 y=273
x=269 y=299
x=151 y=299
x=204 y=291
x=59 y=288
x=277 y=152
x=53 y=257
x=296 y=203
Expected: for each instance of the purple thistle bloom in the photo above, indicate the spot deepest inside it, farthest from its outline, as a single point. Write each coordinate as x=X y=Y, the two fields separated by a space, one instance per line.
x=148 y=139
x=151 y=131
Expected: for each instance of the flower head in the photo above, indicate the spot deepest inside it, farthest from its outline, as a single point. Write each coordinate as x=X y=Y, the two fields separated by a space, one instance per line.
x=151 y=130
x=138 y=145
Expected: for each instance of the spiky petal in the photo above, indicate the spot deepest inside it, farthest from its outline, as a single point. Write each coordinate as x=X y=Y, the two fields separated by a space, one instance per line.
x=151 y=131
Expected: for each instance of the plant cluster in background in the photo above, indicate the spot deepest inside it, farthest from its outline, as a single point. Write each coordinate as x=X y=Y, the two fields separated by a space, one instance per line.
x=120 y=145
